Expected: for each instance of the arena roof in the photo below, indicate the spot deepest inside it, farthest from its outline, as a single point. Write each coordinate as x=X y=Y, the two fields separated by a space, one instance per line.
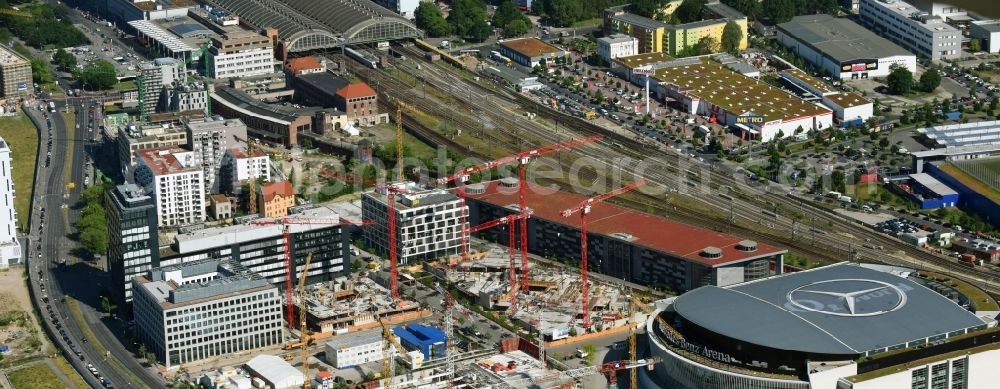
x=736 y=93
x=308 y=24
x=841 y=309
x=650 y=231
x=839 y=38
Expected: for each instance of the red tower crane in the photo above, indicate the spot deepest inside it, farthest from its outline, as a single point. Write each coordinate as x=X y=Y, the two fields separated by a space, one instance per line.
x=522 y=158
x=584 y=208
x=510 y=222
x=286 y=236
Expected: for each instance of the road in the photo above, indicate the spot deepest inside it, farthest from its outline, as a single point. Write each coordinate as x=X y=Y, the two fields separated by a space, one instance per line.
x=73 y=279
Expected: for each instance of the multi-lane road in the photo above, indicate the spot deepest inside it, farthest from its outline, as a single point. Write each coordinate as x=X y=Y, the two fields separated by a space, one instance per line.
x=75 y=283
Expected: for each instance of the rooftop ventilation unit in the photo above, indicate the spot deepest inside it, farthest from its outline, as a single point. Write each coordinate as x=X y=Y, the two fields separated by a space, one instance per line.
x=747 y=246
x=711 y=252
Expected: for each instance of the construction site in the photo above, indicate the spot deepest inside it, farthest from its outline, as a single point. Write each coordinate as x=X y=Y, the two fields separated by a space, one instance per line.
x=348 y=305
x=552 y=305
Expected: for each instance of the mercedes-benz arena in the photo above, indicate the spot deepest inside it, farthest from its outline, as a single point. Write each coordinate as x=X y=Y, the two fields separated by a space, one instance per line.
x=844 y=326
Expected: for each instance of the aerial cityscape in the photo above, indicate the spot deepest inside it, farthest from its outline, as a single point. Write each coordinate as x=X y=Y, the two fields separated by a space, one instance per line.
x=499 y=194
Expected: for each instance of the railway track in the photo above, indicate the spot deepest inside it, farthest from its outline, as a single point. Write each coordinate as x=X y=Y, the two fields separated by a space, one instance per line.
x=501 y=109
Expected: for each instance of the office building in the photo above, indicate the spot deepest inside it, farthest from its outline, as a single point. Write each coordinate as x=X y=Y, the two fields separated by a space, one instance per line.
x=430 y=341
x=15 y=74
x=428 y=223
x=842 y=48
x=10 y=248
x=237 y=167
x=170 y=176
x=205 y=309
x=988 y=33
x=133 y=238
x=617 y=45
x=210 y=139
x=261 y=248
x=920 y=32
x=240 y=53
x=352 y=349
x=275 y=198
x=186 y=96
x=842 y=326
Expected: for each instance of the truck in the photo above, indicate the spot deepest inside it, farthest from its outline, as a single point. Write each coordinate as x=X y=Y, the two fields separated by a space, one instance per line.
x=590 y=115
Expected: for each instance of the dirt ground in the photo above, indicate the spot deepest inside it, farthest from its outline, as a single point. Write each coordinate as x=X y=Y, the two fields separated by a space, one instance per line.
x=14 y=298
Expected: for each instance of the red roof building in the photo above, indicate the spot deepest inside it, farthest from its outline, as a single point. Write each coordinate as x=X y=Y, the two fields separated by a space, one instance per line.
x=626 y=243
x=305 y=65
x=357 y=90
x=275 y=198
x=360 y=103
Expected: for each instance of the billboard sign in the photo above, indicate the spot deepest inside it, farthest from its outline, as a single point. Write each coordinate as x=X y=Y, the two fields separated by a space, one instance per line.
x=859 y=65
x=642 y=72
x=22 y=86
x=750 y=119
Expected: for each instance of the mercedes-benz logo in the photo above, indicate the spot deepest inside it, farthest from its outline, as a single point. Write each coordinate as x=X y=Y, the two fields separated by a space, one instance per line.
x=848 y=297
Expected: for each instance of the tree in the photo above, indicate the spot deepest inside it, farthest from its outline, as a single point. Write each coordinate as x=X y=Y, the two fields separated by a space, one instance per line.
x=930 y=80
x=975 y=45
x=690 y=10
x=105 y=304
x=779 y=11
x=647 y=8
x=732 y=36
x=64 y=61
x=467 y=18
x=707 y=45
x=900 y=80
x=563 y=13
x=99 y=75
x=517 y=27
x=40 y=72
x=506 y=12
x=429 y=18
x=750 y=8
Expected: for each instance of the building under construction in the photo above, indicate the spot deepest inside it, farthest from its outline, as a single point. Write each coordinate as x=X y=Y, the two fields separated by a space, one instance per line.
x=624 y=243
x=349 y=304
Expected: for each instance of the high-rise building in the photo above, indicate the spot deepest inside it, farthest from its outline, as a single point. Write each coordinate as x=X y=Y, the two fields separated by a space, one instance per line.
x=238 y=166
x=176 y=184
x=428 y=223
x=10 y=249
x=924 y=34
x=209 y=139
x=205 y=309
x=133 y=237
x=186 y=96
x=134 y=137
x=240 y=54
x=155 y=76
x=15 y=74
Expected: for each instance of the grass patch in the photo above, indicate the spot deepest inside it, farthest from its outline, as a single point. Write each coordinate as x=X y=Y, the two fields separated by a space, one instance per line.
x=125 y=85
x=979 y=299
x=89 y=334
x=68 y=370
x=70 y=120
x=971 y=182
x=39 y=376
x=22 y=137
x=587 y=22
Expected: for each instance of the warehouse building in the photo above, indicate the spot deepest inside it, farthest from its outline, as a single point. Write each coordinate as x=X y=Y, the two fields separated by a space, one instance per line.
x=919 y=32
x=849 y=108
x=842 y=48
x=624 y=243
x=842 y=326
x=205 y=309
x=929 y=193
x=275 y=372
x=353 y=349
x=428 y=224
x=529 y=51
x=756 y=110
x=15 y=74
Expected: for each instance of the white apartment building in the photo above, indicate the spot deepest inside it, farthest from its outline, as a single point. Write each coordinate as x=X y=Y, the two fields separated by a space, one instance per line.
x=428 y=222
x=170 y=176
x=241 y=54
x=209 y=139
x=617 y=45
x=918 y=31
x=205 y=309
x=10 y=248
x=237 y=166
x=352 y=349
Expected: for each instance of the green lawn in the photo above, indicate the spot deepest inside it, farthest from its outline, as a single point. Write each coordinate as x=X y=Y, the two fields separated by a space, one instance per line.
x=126 y=85
x=22 y=137
x=39 y=376
x=587 y=22
x=68 y=370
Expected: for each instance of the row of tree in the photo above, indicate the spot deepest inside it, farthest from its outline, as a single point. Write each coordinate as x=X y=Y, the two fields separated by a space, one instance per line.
x=780 y=11
x=92 y=226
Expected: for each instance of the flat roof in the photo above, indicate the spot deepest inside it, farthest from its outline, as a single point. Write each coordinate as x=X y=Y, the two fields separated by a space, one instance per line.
x=650 y=231
x=839 y=38
x=8 y=56
x=848 y=99
x=354 y=339
x=988 y=25
x=639 y=60
x=530 y=47
x=964 y=134
x=164 y=160
x=931 y=183
x=324 y=81
x=906 y=10
x=171 y=41
x=841 y=309
x=616 y=38
x=724 y=11
x=736 y=93
x=805 y=78
x=640 y=21
x=250 y=105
